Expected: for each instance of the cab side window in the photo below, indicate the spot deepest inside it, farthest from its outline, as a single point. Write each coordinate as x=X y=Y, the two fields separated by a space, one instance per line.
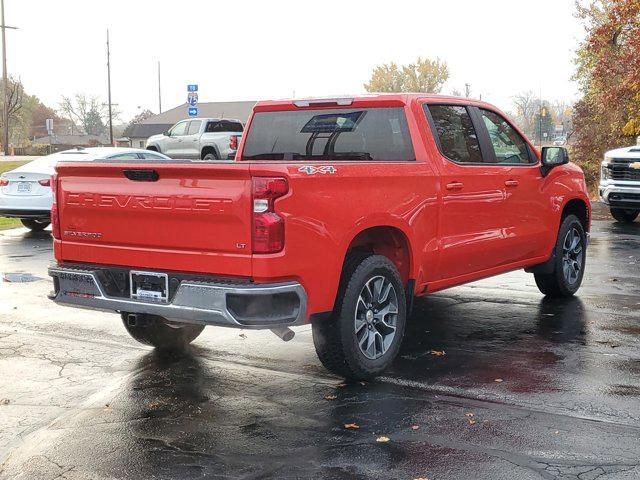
x=457 y=136
x=507 y=143
x=179 y=129
x=194 y=127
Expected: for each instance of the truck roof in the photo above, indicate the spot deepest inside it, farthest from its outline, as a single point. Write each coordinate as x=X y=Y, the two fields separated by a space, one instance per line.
x=366 y=100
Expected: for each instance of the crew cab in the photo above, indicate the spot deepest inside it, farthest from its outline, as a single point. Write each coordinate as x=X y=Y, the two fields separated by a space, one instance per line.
x=336 y=212
x=620 y=183
x=199 y=138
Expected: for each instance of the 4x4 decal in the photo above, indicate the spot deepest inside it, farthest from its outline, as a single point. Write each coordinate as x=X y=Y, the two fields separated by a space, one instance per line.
x=311 y=170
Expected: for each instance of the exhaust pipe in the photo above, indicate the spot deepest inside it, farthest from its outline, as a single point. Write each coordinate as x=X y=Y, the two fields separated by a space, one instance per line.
x=285 y=333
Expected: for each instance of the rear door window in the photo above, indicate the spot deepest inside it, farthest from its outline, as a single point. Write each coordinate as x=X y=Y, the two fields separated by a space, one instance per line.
x=194 y=127
x=457 y=136
x=224 y=126
x=332 y=134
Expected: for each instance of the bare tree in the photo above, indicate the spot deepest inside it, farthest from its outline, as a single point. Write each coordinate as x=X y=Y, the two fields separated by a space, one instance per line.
x=89 y=113
x=527 y=106
x=15 y=98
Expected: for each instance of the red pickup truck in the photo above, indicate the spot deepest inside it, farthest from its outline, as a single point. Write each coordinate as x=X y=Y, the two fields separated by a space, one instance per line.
x=336 y=212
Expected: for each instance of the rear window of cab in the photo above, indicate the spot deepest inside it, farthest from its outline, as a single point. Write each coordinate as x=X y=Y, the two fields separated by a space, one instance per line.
x=333 y=134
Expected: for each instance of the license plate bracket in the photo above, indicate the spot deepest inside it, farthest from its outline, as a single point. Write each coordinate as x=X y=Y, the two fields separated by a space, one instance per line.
x=149 y=286
x=24 y=187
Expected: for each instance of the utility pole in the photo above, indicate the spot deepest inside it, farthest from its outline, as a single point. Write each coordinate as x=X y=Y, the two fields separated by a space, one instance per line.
x=159 y=90
x=5 y=89
x=109 y=94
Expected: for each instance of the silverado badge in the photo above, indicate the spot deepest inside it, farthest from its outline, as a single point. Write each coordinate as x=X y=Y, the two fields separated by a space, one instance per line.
x=635 y=165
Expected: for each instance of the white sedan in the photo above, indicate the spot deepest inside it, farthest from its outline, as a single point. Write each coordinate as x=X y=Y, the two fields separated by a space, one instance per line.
x=25 y=192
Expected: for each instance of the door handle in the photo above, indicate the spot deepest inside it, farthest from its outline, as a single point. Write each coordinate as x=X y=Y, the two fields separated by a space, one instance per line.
x=511 y=183
x=454 y=186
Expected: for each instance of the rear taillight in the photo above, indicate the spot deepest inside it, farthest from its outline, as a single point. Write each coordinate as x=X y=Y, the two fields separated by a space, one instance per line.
x=268 y=226
x=233 y=142
x=55 y=218
x=45 y=183
x=4 y=182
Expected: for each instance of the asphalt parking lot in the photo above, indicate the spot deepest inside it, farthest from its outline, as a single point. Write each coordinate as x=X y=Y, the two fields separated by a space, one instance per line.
x=494 y=381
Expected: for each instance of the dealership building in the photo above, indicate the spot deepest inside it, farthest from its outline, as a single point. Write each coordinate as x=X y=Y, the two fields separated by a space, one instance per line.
x=136 y=135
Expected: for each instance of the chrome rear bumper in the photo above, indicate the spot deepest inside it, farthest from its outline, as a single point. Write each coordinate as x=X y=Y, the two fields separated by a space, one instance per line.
x=255 y=306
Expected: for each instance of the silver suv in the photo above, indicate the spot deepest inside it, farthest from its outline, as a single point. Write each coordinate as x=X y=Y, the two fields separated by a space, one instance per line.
x=199 y=139
x=620 y=183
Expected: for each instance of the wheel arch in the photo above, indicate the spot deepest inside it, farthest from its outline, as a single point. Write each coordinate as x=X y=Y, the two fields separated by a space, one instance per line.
x=580 y=208
x=206 y=149
x=387 y=240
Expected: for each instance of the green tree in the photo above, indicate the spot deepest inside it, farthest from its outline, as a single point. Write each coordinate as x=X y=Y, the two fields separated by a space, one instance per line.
x=424 y=75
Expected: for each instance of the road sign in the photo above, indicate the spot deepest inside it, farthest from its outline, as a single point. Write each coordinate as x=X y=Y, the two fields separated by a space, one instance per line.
x=192 y=98
x=193 y=111
x=192 y=87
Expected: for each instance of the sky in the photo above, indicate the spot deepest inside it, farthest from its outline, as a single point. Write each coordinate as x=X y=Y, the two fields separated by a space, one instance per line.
x=253 y=50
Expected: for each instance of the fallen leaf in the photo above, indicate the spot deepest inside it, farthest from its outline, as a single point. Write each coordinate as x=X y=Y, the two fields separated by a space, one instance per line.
x=382 y=439
x=557 y=432
x=351 y=426
x=330 y=397
x=472 y=422
x=342 y=385
x=498 y=380
x=4 y=401
x=415 y=427
x=421 y=478
x=362 y=383
x=438 y=353
x=242 y=335
x=469 y=414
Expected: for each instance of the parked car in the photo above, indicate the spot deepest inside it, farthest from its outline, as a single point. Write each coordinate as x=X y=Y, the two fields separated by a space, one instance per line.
x=25 y=192
x=337 y=212
x=200 y=138
x=620 y=183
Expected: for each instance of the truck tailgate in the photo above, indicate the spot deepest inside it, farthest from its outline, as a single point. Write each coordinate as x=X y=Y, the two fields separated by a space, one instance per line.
x=187 y=217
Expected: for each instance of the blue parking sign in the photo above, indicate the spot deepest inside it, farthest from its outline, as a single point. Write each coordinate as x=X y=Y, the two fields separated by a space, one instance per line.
x=193 y=111
x=192 y=87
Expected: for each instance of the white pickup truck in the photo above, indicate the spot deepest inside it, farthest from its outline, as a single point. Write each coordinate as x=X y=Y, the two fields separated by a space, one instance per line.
x=620 y=183
x=199 y=139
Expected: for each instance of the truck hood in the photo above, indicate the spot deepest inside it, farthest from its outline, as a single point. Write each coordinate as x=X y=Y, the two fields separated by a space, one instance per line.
x=155 y=138
x=626 y=152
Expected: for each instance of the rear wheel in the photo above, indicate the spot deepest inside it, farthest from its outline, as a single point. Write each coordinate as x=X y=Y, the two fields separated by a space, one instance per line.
x=35 y=224
x=158 y=332
x=569 y=259
x=363 y=336
x=210 y=156
x=623 y=215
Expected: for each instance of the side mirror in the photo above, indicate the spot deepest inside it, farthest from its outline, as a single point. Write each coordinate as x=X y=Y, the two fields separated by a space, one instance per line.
x=166 y=133
x=553 y=157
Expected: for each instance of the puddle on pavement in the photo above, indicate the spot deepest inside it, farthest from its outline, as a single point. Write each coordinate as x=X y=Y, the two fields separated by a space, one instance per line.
x=19 y=277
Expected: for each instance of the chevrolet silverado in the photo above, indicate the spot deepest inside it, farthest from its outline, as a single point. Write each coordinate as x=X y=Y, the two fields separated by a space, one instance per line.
x=337 y=212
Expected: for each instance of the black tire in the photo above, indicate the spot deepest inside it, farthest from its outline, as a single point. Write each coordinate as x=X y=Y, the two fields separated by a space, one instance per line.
x=335 y=338
x=157 y=332
x=623 y=215
x=211 y=156
x=35 y=224
x=559 y=283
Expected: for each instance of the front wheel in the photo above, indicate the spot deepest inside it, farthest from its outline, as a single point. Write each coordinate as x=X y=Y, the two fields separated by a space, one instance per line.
x=623 y=215
x=35 y=224
x=363 y=336
x=158 y=332
x=569 y=258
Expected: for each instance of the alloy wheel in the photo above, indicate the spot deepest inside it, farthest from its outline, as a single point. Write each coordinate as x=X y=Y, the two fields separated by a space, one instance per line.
x=375 y=317
x=572 y=256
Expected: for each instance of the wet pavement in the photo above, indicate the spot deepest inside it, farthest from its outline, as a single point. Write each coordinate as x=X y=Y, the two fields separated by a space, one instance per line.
x=494 y=382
